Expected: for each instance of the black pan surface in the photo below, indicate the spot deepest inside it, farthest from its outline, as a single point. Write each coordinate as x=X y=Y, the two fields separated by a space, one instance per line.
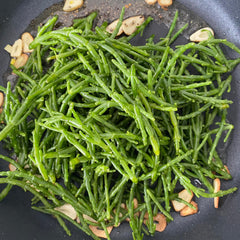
x=19 y=221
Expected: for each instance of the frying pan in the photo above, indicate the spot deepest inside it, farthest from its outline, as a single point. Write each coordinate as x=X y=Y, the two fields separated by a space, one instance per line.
x=18 y=221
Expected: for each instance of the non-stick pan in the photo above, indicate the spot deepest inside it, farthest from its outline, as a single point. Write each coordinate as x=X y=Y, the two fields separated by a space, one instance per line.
x=19 y=221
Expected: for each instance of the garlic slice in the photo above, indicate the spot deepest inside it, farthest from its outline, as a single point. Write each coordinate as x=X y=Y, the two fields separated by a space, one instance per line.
x=186 y=211
x=71 y=5
x=185 y=195
x=68 y=210
x=1 y=100
x=17 y=48
x=27 y=39
x=150 y=2
x=201 y=34
x=165 y=3
x=111 y=27
x=130 y=24
x=8 y=48
x=20 y=61
x=216 y=186
x=99 y=232
x=11 y=167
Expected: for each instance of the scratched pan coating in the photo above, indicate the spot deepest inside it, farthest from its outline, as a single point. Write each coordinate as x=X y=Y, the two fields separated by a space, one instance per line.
x=18 y=221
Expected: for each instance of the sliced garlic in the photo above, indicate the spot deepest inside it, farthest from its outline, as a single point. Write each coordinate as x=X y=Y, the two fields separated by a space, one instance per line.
x=8 y=48
x=135 y=206
x=11 y=167
x=1 y=99
x=111 y=27
x=17 y=48
x=202 y=34
x=185 y=195
x=162 y=222
x=27 y=38
x=68 y=210
x=86 y=217
x=99 y=232
x=165 y=3
x=186 y=211
x=150 y=2
x=216 y=186
x=160 y=219
x=130 y=24
x=21 y=61
x=71 y=5
x=226 y=169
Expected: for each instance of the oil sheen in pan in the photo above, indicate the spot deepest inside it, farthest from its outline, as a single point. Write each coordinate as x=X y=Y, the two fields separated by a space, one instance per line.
x=35 y=225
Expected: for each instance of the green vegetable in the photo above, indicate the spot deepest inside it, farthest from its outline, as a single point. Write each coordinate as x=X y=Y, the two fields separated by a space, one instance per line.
x=96 y=122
